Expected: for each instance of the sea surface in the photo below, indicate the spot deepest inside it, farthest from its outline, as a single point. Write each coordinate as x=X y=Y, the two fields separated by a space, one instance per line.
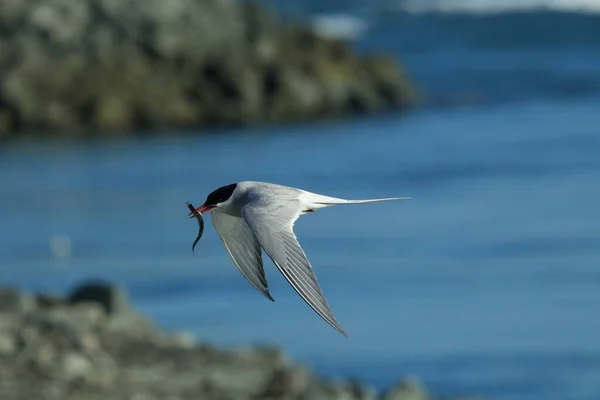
x=486 y=282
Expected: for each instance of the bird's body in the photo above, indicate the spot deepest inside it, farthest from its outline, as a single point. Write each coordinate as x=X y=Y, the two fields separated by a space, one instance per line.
x=250 y=216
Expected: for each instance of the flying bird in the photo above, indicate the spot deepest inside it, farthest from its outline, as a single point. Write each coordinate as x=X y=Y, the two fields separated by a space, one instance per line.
x=250 y=216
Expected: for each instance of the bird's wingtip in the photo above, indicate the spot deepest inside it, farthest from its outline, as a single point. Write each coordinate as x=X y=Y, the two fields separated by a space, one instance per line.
x=343 y=332
x=268 y=296
x=339 y=328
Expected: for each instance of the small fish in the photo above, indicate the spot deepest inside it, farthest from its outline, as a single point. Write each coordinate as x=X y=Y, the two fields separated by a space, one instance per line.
x=198 y=215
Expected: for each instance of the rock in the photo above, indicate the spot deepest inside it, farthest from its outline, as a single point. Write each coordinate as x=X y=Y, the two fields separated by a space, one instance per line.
x=408 y=389
x=13 y=301
x=47 y=300
x=12 y=12
x=75 y=366
x=114 y=112
x=130 y=323
x=70 y=351
x=185 y=340
x=286 y=382
x=62 y=22
x=325 y=390
x=8 y=344
x=390 y=82
x=112 y=298
x=6 y=122
x=73 y=67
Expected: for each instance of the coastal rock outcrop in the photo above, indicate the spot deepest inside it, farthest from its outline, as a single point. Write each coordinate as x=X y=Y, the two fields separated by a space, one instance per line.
x=89 y=66
x=92 y=345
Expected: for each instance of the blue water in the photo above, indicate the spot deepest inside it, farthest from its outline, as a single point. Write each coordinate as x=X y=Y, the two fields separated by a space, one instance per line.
x=487 y=282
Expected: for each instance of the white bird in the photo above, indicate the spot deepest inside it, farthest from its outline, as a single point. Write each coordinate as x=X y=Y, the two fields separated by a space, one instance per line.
x=249 y=216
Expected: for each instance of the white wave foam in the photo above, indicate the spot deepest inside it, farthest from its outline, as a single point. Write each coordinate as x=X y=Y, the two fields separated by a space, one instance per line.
x=498 y=6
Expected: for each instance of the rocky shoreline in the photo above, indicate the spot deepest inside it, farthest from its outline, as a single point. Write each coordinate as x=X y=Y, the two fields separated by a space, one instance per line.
x=76 y=67
x=92 y=345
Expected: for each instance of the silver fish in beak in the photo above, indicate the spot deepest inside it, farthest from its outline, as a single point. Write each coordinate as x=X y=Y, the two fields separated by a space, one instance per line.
x=194 y=213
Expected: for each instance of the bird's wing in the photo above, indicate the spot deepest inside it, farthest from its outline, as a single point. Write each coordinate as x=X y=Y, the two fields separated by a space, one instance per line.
x=243 y=248
x=272 y=223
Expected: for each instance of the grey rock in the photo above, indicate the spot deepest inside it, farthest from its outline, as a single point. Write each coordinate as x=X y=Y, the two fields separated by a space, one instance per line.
x=13 y=301
x=63 y=22
x=75 y=350
x=339 y=390
x=410 y=388
x=75 y=366
x=12 y=12
x=8 y=344
x=185 y=340
x=48 y=300
x=290 y=382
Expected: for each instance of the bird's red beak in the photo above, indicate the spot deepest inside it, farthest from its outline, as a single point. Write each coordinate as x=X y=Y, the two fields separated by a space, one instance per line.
x=202 y=209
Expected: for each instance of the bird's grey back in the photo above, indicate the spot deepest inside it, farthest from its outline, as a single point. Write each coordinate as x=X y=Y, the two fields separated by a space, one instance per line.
x=270 y=191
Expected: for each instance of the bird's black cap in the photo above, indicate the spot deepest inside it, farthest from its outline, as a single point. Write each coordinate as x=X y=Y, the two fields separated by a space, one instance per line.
x=220 y=195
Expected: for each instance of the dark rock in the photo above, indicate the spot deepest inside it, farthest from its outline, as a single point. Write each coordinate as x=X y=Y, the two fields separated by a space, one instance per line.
x=14 y=301
x=390 y=82
x=6 y=122
x=46 y=300
x=111 y=297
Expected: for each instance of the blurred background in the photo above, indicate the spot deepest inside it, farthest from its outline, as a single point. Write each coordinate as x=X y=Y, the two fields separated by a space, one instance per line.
x=486 y=282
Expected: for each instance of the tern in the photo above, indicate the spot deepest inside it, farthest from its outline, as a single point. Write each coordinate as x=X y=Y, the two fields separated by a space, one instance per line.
x=250 y=216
